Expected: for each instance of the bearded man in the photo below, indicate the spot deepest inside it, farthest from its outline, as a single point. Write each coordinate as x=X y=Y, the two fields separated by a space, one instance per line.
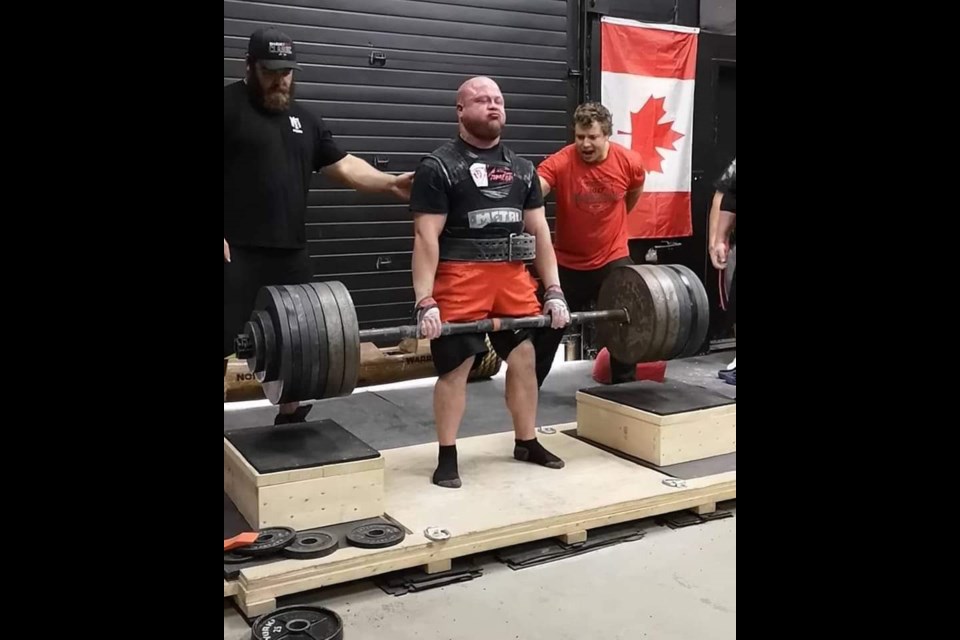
x=478 y=214
x=272 y=145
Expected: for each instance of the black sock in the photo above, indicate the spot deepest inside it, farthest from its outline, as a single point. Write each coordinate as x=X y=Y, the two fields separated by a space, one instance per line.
x=447 y=474
x=533 y=451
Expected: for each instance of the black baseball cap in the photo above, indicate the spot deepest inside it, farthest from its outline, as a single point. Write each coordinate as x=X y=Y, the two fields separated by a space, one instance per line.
x=273 y=49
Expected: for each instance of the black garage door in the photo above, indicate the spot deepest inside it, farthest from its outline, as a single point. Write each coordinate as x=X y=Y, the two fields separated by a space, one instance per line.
x=383 y=74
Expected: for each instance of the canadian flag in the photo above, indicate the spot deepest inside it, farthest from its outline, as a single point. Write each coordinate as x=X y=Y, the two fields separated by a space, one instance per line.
x=647 y=82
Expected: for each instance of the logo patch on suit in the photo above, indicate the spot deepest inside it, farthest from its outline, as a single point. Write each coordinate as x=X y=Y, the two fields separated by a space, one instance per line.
x=478 y=172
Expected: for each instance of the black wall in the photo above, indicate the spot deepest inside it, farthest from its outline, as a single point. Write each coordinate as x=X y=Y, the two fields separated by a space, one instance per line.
x=546 y=56
x=393 y=114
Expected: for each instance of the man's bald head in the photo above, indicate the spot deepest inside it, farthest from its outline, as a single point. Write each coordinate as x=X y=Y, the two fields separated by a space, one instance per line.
x=480 y=110
x=473 y=85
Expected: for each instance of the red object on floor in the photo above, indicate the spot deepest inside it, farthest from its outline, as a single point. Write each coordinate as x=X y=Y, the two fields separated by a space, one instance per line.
x=645 y=370
x=241 y=540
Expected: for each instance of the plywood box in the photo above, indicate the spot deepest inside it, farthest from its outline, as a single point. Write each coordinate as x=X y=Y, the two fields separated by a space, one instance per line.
x=302 y=476
x=663 y=424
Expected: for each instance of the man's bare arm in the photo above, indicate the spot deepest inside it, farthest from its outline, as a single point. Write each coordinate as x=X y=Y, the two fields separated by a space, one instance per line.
x=544 y=186
x=360 y=175
x=633 y=197
x=721 y=226
x=535 y=223
x=427 y=228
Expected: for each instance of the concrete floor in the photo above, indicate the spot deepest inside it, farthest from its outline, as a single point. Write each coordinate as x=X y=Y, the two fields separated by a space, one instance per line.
x=674 y=584
x=671 y=585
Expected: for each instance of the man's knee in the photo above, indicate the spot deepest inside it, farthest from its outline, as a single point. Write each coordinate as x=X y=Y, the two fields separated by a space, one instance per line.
x=522 y=356
x=460 y=373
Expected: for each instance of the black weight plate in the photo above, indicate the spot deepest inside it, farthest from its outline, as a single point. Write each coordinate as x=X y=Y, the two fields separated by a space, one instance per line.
x=701 y=320
x=307 y=544
x=313 y=389
x=627 y=287
x=271 y=366
x=322 y=344
x=660 y=313
x=298 y=622
x=255 y=334
x=686 y=312
x=308 y=342
x=375 y=536
x=271 y=540
x=291 y=387
x=233 y=557
x=351 y=337
x=624 y=289
x=335 y=347
x=269 y=300
x=672 y=308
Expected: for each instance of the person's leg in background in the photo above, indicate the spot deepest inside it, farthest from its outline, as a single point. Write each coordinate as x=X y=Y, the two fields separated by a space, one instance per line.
x=729 y=375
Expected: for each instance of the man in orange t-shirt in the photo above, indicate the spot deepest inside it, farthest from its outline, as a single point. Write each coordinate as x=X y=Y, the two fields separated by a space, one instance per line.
x=597 y=183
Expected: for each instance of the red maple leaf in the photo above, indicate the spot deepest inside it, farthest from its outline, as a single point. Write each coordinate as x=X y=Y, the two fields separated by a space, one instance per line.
x=648 y=133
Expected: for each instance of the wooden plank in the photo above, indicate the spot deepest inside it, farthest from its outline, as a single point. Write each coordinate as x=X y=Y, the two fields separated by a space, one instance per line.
x=595 y=489
x=574 y=538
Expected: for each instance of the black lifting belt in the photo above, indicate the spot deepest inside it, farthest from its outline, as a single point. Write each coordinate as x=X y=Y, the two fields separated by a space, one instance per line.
x=517 y=247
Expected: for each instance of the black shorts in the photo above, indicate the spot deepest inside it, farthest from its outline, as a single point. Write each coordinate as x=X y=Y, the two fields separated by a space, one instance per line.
x=449 y=352
x=248 y=271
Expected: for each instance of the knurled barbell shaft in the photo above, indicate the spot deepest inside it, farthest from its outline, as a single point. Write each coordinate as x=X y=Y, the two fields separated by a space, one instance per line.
x=493 y=325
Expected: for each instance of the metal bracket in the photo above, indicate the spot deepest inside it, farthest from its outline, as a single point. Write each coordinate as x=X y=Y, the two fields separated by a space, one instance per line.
x=598 y=6
x=378 y=58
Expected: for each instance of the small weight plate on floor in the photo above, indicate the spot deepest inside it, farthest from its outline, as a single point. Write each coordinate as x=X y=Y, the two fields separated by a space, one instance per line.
x=298 y=623
x=270 y=540
x=437 y=534
x=232 y=557
x=307 y=544
x=375 y=536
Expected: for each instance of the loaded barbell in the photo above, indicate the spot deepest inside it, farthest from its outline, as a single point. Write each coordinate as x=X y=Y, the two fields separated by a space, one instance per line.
x=302 y=342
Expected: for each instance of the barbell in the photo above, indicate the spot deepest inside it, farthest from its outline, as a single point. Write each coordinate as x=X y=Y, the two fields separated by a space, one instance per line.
x=302 y=342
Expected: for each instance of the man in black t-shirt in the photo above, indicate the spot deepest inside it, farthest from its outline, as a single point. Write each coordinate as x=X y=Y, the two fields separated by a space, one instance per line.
x=478 y=213
x=271 y=147
x=723 y=221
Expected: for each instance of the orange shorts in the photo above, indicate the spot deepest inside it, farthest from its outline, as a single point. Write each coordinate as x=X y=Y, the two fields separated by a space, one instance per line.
x=468 y=291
